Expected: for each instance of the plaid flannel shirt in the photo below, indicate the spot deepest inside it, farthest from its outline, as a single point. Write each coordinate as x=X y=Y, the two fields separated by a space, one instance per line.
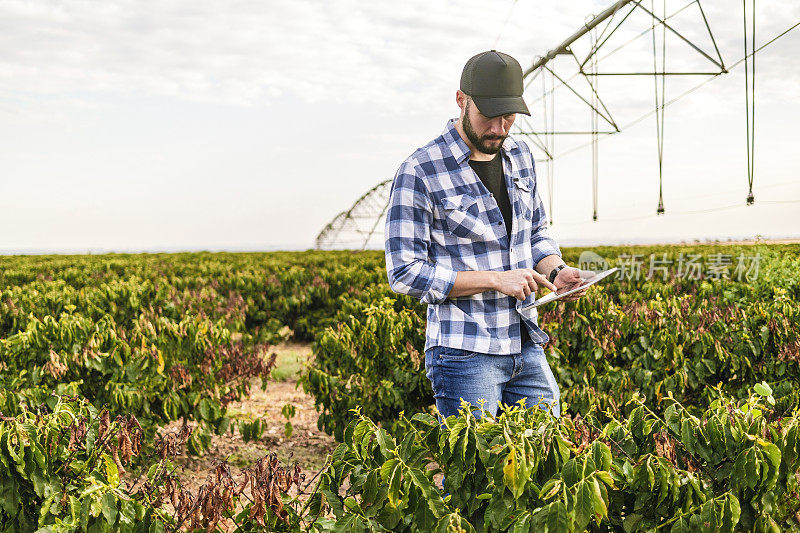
x=442 y=219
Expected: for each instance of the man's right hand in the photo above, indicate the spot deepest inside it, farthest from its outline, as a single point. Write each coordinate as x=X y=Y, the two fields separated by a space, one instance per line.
x=521 y=282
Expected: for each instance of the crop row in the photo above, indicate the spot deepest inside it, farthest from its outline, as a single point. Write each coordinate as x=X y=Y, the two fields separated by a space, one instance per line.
x=663 y=428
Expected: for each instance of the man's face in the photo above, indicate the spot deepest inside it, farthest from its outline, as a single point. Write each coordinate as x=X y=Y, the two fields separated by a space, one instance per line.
x=485 y=134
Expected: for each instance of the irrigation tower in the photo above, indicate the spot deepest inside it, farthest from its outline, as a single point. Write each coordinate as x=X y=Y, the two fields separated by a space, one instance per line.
x=669 y=43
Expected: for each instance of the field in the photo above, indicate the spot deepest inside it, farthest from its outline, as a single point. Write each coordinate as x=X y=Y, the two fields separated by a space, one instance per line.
x=285 y=391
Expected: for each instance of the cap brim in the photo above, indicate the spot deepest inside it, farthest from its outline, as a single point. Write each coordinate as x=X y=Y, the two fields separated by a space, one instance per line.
x=494 y=106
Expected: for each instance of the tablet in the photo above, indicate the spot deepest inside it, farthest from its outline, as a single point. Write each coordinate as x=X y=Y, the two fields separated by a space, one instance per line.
x=586 y=283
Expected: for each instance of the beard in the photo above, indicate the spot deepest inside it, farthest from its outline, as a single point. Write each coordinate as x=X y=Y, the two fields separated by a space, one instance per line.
x=481 y=143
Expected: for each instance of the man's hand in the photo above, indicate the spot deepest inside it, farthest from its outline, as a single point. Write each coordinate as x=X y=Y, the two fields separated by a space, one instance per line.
x=569 y=278
x=521 y=282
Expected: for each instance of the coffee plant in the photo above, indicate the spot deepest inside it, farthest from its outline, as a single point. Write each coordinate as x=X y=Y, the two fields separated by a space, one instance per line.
x=679 y=400
x=734 y=468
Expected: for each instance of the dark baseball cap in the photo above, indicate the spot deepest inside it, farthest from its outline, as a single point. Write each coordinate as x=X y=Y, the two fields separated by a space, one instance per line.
x=494 y=81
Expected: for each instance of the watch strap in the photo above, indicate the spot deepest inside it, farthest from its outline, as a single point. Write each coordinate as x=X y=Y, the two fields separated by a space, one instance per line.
x=554 y=273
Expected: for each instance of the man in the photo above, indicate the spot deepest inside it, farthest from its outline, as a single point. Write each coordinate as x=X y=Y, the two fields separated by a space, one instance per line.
x=466 y=233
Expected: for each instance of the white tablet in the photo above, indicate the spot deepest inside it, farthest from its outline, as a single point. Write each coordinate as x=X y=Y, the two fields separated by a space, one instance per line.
x=586 y=283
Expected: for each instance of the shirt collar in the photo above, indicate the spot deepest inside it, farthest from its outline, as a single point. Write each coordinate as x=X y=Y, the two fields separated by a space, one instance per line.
x=459 y=148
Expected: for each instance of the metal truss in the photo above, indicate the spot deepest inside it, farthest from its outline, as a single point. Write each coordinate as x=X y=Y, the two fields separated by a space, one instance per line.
x=598 y=30
x=355 y=227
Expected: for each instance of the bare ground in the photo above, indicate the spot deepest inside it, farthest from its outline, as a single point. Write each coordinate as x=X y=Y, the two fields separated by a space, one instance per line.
x=307 y=446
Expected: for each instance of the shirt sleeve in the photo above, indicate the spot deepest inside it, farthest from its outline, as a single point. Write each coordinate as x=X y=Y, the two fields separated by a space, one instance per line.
x=407 y=240
x=542 y=243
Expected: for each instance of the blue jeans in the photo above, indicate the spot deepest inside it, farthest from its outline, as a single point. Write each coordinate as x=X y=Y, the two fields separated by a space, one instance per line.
x=456 y=373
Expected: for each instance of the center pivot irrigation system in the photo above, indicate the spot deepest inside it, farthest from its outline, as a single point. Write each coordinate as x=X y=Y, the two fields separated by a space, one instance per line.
x=355 y=227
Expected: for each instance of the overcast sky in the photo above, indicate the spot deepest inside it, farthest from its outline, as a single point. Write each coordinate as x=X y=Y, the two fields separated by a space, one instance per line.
x=249 y=125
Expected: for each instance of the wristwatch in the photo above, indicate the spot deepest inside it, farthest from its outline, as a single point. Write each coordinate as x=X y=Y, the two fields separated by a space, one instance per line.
x=554 y=273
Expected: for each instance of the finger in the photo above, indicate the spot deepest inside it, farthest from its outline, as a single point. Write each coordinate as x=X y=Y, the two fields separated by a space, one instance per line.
x=577 y=295
x=544 y=281
x=532 y=285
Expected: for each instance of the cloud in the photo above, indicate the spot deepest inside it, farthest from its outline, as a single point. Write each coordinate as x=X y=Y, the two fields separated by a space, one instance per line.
x=250 y=52
x=187 y=97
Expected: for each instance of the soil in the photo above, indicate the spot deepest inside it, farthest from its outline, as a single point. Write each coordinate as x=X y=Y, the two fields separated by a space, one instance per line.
x=307 y=446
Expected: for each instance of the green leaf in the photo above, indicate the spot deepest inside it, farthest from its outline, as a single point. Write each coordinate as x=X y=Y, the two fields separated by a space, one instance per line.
x=350 y=523
x=429 y=492
x=371 y=487
x=387 y=468
x=109 y=507
x=557 y=521
x=333 y=500
x=112 y=472
x=681 y=525
x=763 y=389
x=522 y=523
x=570 y=472
x=731 y=511
x=551 y=488
x=385 y=442
x=601 y=454
x=627 y=470
x=222 y=425
x=392 y=476
x=651 y=476
x=511 y=477
x=425 y=418
x=359 y=431
x=605 y=477
x=85 y=513
x=203 y=408
x=600 y=506
x=631 y=522
x=453 y=522
x=9 y=496
x=584 y=506
x=394 y=486
x=351 y=505
x=772 y=452
x=288 y=410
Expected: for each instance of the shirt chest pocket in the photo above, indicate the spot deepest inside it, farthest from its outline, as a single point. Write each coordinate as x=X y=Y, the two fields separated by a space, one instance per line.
x=524 y=189
x=461 y=216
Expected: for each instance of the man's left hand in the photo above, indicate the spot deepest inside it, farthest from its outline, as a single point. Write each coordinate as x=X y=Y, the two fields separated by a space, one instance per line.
x=569 y=278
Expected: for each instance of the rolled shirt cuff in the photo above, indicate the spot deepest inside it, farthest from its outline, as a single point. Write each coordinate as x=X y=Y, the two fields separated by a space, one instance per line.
x=440 y=284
